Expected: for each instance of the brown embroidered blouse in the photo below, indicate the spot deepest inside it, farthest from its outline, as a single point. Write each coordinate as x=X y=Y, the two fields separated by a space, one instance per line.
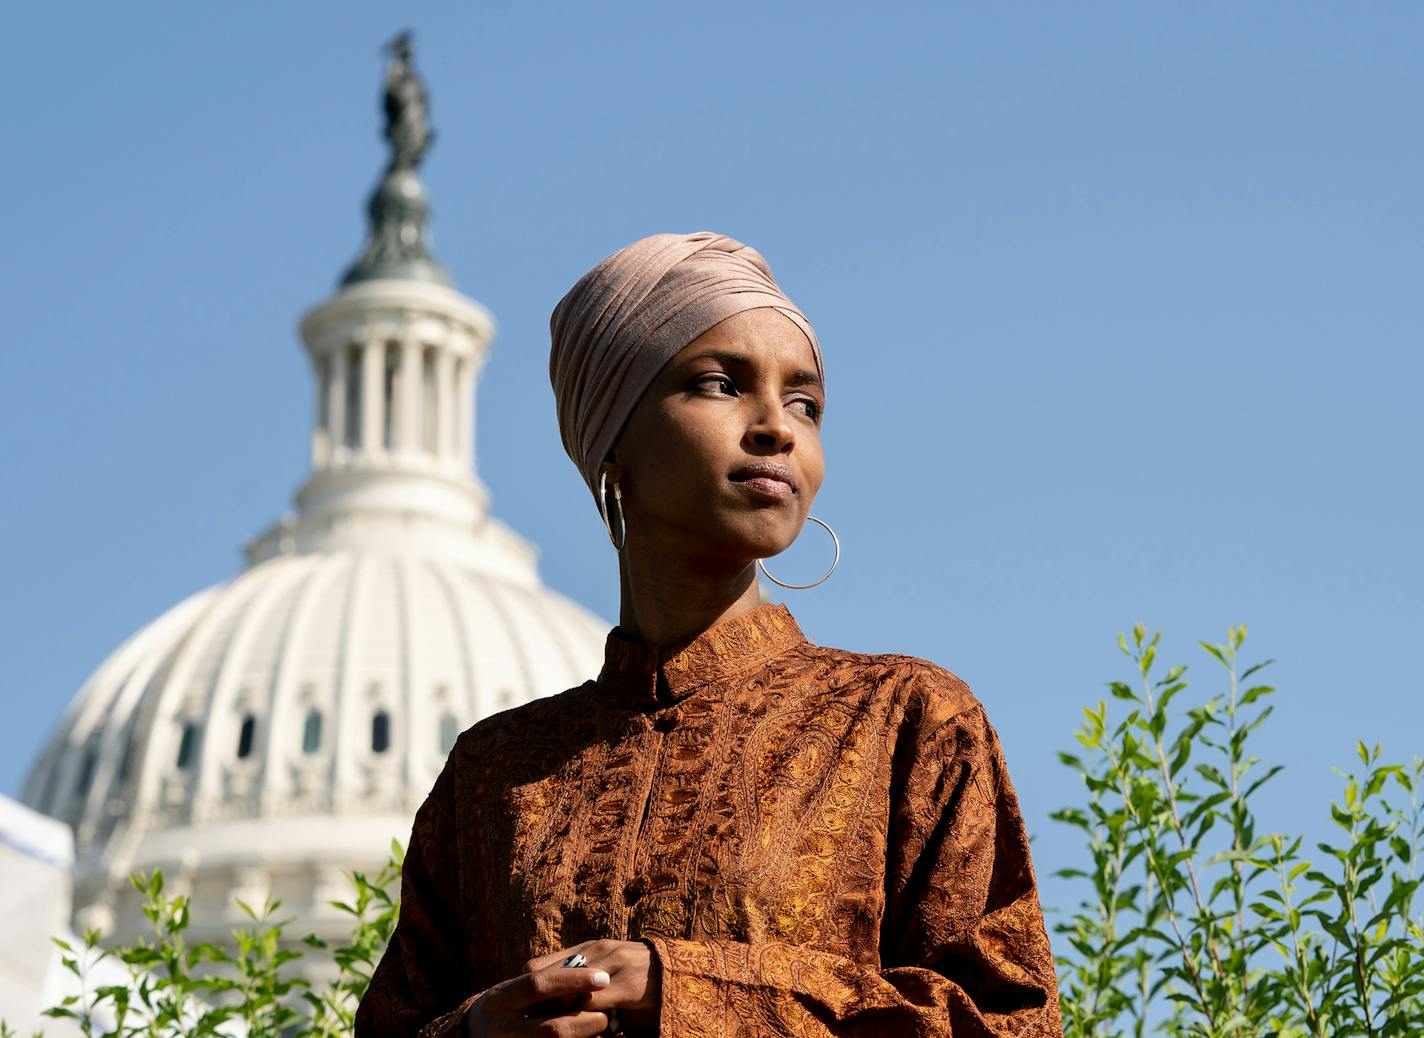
x=813 y=841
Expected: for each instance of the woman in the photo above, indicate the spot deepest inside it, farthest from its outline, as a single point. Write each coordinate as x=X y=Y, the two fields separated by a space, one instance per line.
x=732 y=831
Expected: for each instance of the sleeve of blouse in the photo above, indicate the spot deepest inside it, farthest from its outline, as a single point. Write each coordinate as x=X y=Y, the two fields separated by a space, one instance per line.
x=419 y=987
x=963 y=947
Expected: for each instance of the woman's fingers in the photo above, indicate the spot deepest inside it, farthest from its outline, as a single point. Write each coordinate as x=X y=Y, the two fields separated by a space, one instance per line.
x=579 y=1023
x=514 y=998
x=606 y=953
x=548 y=985
x=635 y=985
x=557 y=958
x=572 y=1025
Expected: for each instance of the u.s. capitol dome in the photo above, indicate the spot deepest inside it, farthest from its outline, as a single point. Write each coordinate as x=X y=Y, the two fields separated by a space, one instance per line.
x=270 y=734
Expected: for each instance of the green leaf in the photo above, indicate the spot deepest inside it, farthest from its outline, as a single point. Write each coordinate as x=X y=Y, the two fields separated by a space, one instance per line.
x=1169 y=693
x=1246 y=674
x=1209 y=772
x=1252 y=694
x=1220 y=656
x=1122 y=691
x=1271 y=773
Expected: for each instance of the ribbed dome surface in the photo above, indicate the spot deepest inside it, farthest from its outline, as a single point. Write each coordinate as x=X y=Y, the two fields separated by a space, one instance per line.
x=323 y=684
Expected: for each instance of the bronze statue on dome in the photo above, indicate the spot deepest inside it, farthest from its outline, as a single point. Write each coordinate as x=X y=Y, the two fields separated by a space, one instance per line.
x=398 y=244
x=407 y=109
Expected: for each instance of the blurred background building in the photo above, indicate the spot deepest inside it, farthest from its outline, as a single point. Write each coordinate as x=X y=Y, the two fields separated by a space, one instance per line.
x=268 y=735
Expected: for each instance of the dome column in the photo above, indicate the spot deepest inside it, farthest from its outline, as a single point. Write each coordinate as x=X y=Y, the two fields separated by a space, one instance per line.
x=408 y=435
x=465 y=395
x=373 y=394
x=444 y=407
x=335 y=405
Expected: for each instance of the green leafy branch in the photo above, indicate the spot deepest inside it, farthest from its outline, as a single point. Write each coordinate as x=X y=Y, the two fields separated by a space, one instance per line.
x=1197 y=924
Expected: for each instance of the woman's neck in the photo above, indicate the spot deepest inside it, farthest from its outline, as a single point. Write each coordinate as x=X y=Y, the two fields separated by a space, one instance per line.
x=666 y=606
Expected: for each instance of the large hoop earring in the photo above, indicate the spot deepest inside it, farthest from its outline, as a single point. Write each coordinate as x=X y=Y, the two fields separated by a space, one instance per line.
x=619 y=541
x=834 y=563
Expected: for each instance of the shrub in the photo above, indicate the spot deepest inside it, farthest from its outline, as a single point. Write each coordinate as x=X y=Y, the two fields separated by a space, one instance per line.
x=175 y=989
x=1197 y=923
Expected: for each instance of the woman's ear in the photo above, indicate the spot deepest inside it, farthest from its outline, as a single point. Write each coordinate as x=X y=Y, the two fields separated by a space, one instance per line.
x=611 y=466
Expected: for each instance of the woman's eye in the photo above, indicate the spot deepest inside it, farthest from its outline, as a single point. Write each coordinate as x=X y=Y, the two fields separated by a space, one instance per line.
x=810 y=408
x=716 y=384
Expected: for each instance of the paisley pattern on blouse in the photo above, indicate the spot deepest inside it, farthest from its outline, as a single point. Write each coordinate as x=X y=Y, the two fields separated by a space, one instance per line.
x=814 y=842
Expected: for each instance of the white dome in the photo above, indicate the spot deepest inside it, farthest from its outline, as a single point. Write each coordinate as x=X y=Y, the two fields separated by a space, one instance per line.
x=326 y=684
x=272 y=733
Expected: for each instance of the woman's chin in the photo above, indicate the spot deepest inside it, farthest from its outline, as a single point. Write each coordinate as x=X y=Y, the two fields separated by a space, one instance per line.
x=737 y=545
x=737 y=536
x=765 y=547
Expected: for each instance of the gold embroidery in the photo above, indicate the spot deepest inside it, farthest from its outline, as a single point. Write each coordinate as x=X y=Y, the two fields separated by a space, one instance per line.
x=804 y=835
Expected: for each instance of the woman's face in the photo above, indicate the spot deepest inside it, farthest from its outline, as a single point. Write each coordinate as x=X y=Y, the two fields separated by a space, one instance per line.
x=721 y=457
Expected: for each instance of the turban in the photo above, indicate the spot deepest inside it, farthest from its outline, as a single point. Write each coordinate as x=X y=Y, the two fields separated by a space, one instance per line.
x=631 y=313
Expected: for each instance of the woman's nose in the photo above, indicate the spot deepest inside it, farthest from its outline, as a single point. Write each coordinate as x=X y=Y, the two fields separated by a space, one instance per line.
x=771 y=430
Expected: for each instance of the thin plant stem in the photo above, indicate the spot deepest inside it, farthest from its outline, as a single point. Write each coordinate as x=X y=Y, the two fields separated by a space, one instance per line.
x=1169 y=787
x=1238 y=807
x=1194 y=975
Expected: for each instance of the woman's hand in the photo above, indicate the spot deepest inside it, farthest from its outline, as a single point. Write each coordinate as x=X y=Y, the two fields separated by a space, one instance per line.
x=635 y=988
x=546 y=1002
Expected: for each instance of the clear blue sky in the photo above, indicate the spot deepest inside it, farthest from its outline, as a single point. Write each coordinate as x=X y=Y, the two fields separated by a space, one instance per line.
x=1121 y=305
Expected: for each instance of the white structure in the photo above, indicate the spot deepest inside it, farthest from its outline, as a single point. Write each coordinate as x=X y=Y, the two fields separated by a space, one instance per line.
x=267 y=735
x=35 y=856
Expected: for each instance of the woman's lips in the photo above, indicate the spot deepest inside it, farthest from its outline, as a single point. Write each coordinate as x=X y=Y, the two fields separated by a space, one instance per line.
x=768 y=480
x=765 y=486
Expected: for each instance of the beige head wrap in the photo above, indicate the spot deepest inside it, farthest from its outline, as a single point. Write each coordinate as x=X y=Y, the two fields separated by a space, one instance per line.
x=626 y=318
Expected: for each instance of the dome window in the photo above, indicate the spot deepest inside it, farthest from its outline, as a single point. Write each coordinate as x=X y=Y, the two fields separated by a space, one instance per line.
x=86 y=774
x=449 y=732
x=380 y=732
x=126 y=761
x=311 y=732
x=185 y=744
x=245 y=736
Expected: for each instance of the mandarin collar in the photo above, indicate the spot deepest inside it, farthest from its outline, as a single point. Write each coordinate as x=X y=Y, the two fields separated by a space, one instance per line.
x=723 y=650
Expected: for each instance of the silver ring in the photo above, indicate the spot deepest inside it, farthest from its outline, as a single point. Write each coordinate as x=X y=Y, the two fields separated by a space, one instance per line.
x=575 y=960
